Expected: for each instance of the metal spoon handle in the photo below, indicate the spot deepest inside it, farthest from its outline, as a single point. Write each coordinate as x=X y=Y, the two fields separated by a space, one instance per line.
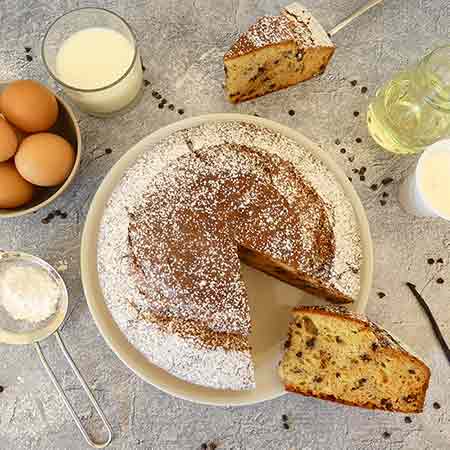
x=67 y=401
x=353 y=16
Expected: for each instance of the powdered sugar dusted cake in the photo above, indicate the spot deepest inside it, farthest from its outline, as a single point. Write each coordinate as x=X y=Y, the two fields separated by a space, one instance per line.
x=183 y=216
x=276 y=52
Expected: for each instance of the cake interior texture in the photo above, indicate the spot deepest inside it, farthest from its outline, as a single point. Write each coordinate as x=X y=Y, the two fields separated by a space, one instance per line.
x=336 y=356
x=275 y=53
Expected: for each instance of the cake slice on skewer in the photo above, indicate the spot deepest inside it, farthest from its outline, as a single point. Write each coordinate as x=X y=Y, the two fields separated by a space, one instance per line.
x=276 y=52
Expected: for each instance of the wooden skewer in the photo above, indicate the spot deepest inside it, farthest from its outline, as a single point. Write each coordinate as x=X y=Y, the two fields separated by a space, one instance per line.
x=434 y=324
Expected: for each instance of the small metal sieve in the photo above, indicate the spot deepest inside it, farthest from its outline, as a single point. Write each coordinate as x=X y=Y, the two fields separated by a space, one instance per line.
x=20 y=332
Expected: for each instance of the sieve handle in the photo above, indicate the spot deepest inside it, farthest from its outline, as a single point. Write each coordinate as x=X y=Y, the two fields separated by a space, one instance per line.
x=67 y=401
x=353 y=16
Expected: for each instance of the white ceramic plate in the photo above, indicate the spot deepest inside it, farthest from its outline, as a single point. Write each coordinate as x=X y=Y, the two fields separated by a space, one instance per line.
x=270 y=299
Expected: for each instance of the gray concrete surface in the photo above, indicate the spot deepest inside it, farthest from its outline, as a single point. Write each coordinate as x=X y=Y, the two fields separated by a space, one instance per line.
x=182 y=43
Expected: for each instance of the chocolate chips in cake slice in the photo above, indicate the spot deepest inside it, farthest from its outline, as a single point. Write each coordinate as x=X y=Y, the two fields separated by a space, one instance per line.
x=356 y=361
x=276 y=52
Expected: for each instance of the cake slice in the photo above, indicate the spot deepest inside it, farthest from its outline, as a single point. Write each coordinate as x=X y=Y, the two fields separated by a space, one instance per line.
x=336 y=355
x=276 y=52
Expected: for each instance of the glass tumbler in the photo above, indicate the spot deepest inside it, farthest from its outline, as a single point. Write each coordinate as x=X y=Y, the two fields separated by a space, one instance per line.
x=92 y=53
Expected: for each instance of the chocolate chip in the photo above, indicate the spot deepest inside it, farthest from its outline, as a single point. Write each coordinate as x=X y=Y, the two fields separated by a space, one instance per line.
x=436 y=405
x=363 y=170
x=317 y=379
x=291 y=112
x=29 y=58
x=349 y=179
x=440 y=281
x=358 y=140
x=355 y=170
x=108 y=151
x=410 y=398
x=430 y=261
x=385 y=194
x=363 y=90
x=362 y=178
x=299 y=354
x=339 y=340
x=408 y=419
x=204 y=446
x=50 y=216
x=287 y=344
x=374 y=187
x=310 y=326
x=155 y=94
x=338 y=375
x=57 y=212
x=356 y=113
x=311 y=342
x=146 y=82
x=63 y=215
x=163 y=101
x=351 y=158
x=412 y=371
x=180 y=112
x=286 y=426
x=171 y=107
x=387 y=181
x=381 y=294
x=45 y=220
x=440 y=261
x=382 y=202
x=160 y=105
x=386 y=435
x=343 y=150
x=284 y=418
x=1 y=389
x=337 y=142
x=374 y=346
x=353 y=83
x=28 y=49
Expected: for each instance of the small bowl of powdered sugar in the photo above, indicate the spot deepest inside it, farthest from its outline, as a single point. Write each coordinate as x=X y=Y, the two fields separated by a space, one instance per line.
x=33 y=298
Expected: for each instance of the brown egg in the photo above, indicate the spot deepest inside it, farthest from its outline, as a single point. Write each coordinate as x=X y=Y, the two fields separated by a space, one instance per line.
x=8 y=140
x=29 y=106
x=14 y=190
x=45 y=159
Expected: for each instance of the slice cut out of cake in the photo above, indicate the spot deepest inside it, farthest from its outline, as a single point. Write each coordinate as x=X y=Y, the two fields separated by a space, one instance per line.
x=276 y=52
x=336 y=355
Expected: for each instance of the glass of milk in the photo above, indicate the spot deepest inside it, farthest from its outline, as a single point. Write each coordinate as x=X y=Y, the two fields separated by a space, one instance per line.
x=426 y=191
x=92 y=54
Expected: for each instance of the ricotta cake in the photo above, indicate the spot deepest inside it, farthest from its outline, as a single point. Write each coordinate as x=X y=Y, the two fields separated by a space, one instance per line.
x=276 y=52
x=337 y=355
x=185 y=215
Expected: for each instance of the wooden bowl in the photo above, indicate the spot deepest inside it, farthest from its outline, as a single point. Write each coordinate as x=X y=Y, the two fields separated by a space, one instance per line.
x=66 y=126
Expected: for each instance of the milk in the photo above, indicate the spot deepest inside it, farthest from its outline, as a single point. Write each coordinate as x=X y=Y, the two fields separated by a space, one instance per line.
x=95 y=58
x=426 y=192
